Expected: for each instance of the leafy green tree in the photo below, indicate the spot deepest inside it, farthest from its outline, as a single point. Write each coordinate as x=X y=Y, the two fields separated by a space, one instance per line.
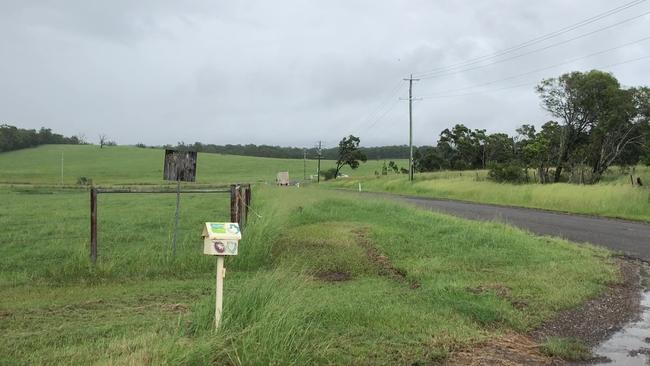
x=462 y=148
x=329 y=174
x=540 y=150
x=393 y=166
x=596 y=115
x=349 y=154
x=498 y=148
x=427 y=159
x=14 y=138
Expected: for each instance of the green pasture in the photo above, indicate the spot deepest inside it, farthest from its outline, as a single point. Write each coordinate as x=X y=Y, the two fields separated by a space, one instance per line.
x=125 y=165
x=613 y=197
x=460 y=281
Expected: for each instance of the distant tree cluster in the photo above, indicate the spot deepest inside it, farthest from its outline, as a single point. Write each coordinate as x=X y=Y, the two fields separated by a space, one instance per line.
x=14 y=138
x=599 y=124
x=268 y=151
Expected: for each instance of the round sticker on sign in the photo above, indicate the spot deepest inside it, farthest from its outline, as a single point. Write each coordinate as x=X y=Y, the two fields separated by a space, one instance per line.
x=233 y=229
x=219 y=246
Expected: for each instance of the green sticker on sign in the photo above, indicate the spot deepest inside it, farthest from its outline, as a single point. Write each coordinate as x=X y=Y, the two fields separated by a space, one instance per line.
x=218 y=228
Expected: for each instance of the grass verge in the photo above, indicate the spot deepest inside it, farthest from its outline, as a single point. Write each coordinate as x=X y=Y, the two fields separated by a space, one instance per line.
x=614 y=197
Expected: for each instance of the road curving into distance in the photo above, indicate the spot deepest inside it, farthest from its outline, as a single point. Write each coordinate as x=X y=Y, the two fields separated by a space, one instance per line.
x=629 y=237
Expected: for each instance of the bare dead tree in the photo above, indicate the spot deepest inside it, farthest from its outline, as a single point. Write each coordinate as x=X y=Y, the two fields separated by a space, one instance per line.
x=102 y=140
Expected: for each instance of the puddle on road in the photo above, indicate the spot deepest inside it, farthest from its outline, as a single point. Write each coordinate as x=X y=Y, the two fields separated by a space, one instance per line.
x=630 y=346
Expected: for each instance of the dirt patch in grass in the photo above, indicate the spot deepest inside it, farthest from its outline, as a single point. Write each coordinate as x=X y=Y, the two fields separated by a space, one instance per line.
x=176 y=308
x=383 y=264
x=333 y=276
x=508 y=349
x=597 y=319
x=502 y=292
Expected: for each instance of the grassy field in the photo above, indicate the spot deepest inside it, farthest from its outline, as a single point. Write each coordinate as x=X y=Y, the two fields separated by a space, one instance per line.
x=613 y=197
x=322 y=278
x=124 y=165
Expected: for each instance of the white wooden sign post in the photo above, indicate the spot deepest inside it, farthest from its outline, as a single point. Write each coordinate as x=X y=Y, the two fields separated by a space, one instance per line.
x=220 y=239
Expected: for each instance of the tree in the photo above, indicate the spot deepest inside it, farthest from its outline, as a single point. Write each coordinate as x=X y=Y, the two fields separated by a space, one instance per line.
x=540 y=150
x=619 y=131
x=329 y=173
x=580 y=101
x=14 y=138
x=393 y=166
x=462 y=148
x=427 y=159
x=349 y=154
x=498 y=148
x=102 y=140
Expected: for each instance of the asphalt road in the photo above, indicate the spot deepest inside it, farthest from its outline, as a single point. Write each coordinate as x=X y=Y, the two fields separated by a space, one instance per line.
x=629 y=237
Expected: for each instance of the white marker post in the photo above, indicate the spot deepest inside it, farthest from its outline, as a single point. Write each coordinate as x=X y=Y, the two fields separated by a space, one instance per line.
x=220 y=239
x=218 y=307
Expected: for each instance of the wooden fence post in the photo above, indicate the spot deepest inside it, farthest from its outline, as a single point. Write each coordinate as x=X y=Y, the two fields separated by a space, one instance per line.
x=93 y=225
x=235 y=203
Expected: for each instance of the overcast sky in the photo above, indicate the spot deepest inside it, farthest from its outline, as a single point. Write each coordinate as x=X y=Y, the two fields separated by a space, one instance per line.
x=294 y=72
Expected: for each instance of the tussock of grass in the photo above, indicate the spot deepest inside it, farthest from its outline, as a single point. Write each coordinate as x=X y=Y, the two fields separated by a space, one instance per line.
x=569 y=349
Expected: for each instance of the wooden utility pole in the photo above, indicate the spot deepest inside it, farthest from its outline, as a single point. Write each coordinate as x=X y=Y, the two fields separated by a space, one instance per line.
x=320 y=145
x=304 y=164
x=410 y=80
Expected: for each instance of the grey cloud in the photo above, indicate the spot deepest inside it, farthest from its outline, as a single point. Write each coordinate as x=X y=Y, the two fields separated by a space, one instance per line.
x=286 y=72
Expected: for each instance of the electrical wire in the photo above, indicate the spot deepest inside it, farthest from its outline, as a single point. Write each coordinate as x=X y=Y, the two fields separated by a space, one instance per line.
x=377 y=111
x=525 y=84
x=532 y=41
x=546 y=67
x=538 y=49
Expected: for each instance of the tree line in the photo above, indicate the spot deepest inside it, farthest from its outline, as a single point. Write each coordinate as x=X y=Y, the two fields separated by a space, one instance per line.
x=598 y=124
x=269 y=151
x=14 y=138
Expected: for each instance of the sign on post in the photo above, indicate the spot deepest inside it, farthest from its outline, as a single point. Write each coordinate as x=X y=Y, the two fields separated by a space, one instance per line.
x=220 y=239
x=180 y=165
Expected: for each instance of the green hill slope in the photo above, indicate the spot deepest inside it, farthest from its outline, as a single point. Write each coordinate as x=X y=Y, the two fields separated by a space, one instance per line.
x=131 y=165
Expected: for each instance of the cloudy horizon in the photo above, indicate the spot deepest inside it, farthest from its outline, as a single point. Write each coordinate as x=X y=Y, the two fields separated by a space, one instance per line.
x=293 y=72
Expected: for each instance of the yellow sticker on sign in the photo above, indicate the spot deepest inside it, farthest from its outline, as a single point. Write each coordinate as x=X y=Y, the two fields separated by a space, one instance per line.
x=218 y=228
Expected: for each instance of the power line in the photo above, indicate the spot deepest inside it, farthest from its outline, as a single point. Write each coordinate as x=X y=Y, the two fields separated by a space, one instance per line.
x=524 y=84
x=372 y=116
x=538 y=49
x=534 y=40
x=392 y=105
x=542 y=68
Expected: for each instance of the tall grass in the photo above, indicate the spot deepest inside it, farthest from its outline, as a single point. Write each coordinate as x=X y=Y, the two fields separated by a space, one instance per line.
x=615 y=197
x=266 y=323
